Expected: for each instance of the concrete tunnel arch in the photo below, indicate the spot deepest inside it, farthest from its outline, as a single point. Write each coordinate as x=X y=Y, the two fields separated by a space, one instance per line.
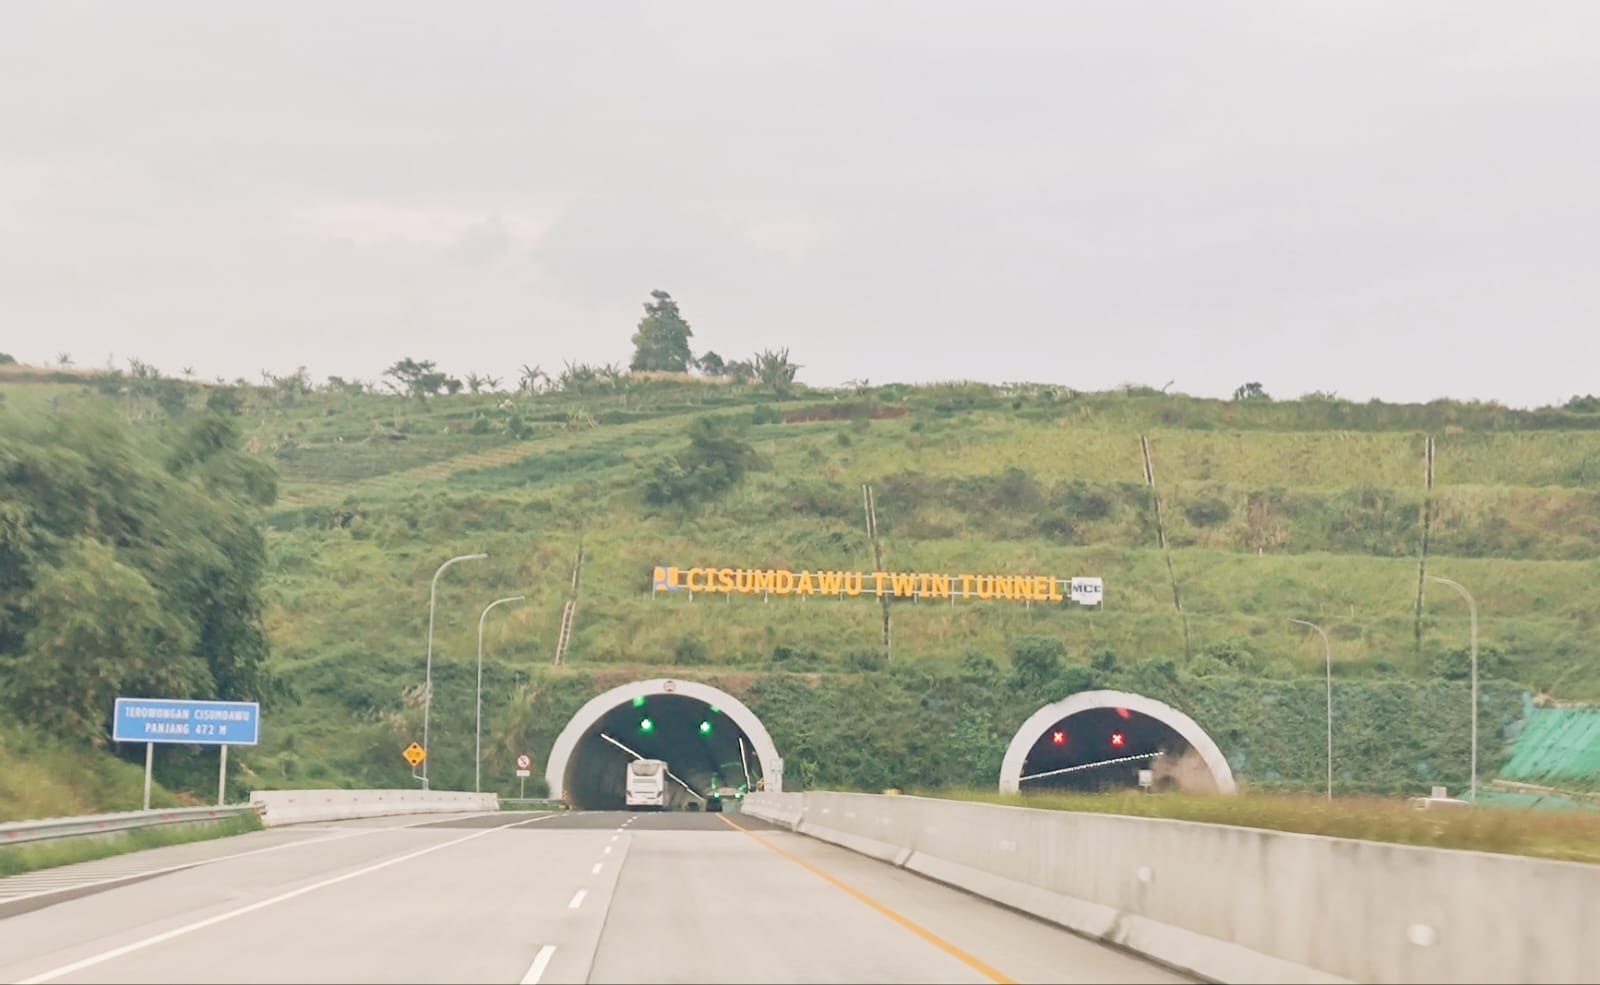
x=1186 y=728
x=595 y=710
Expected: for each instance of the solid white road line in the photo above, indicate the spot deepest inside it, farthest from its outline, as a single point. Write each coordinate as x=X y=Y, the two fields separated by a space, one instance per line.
x=537 y=968
x=135 y=874
x=67 y=881
x=577 y=899
x=140 y=945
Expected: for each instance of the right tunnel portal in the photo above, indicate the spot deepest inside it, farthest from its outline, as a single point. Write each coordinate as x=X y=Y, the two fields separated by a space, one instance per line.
x=1097 y=741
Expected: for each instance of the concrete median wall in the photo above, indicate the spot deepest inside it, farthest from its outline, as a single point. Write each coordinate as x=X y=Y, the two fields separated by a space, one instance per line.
x=1236 y=904
x=299 y=806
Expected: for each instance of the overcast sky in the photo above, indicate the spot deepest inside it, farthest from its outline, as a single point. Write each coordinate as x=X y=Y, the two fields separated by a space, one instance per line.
x=1385 y=199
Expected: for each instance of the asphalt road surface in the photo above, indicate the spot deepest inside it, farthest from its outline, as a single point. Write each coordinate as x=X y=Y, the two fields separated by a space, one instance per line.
x=527 y=898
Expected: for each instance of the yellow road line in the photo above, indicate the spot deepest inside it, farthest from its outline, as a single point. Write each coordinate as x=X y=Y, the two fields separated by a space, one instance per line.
x=927 y=935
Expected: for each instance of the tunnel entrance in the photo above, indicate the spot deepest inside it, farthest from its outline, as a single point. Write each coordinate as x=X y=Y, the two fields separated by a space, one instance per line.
x=1100 y=740
x=711 y=742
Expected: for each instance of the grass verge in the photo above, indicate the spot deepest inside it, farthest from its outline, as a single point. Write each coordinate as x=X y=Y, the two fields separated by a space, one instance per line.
x=16 y=859
x=1565 y=836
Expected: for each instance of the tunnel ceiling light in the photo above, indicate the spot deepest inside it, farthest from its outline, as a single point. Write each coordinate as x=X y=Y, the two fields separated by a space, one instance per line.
x=639 y=701
x=1117 y=739
x=1124 y=713
x=715 y=710
x=646 y=725
x=1059 y=738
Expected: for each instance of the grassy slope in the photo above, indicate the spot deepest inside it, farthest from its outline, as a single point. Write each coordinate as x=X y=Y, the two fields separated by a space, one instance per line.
x=1306 y=509
x=1320 y=496
x=46 y=778
x=1569 y=836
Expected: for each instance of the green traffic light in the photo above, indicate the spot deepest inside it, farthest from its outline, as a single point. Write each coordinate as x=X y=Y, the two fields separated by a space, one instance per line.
x=646 y=725
x=639 y=701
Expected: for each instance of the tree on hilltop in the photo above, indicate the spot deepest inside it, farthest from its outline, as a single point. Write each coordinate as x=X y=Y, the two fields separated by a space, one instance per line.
x=661 y=343
x=532 y=380
x=417 y=379
x=710 y=364
x=774 y=369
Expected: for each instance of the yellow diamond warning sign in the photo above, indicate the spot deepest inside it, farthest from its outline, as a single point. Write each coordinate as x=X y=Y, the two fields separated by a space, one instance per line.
x=415 y=754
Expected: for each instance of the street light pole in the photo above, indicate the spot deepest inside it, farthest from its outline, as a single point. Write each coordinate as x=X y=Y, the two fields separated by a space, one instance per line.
x=1472 y=613
x=427 y=697
x=477 y=730
x=1327 y=659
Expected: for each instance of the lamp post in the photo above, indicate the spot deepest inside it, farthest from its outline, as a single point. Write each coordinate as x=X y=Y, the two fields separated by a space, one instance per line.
x=477 y=730
x=1327 y=658
x=427 y=698
x=1472 y=613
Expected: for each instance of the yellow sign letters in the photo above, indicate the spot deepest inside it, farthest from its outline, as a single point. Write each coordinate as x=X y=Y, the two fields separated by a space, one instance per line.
x=894 y=584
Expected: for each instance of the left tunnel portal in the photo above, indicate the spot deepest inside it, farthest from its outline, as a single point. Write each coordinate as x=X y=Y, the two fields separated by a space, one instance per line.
x=707 y=737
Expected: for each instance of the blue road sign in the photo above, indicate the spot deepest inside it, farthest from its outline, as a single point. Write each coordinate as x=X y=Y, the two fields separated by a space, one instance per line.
x=193 y=723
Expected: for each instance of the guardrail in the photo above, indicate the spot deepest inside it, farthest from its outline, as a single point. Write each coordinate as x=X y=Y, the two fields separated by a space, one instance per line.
x=1235 y=904
x=21 y=832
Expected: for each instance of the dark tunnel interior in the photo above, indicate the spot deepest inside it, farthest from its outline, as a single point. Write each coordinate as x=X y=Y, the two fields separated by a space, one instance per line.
x=1101 y=734
x=699 y=743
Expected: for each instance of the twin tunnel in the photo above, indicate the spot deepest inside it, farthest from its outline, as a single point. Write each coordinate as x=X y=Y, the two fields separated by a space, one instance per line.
x=711 y=741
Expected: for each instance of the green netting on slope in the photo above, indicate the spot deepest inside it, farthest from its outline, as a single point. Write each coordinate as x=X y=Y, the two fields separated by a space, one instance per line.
x=1558 y=747
x=1522 y=800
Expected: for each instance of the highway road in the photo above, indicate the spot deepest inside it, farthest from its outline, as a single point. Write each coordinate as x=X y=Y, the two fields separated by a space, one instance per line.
x=528 y=898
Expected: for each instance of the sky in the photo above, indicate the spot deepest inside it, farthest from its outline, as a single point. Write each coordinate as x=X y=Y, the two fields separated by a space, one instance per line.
x=1395 y=200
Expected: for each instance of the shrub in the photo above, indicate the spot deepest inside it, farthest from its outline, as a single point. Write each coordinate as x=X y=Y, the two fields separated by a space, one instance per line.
x=716 y=460
x=1085 y=503
x=867 y=660
x=1036 y=660
x=690 y=651
x=1208 y=512
x=789 y=658
x=1456 y=664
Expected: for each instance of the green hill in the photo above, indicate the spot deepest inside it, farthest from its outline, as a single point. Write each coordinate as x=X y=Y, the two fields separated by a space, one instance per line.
x=1269 y=510
x=1267 y=517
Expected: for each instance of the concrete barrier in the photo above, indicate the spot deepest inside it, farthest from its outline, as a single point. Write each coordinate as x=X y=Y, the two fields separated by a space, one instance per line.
x=299 y=806
x=1236 y=904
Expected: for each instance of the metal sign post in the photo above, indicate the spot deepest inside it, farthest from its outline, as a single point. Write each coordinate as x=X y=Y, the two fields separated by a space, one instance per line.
x=149 y=766
x=524 y=767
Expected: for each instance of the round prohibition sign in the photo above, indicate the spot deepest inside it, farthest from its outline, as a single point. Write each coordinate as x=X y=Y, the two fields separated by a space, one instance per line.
x=524 y=761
